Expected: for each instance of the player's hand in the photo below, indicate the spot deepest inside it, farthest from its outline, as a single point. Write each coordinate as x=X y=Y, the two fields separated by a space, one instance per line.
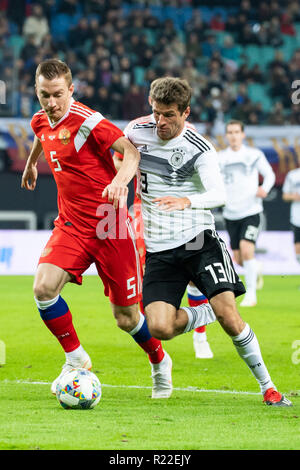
x=29 y=178
x=172 y=203
x=261 y=193
x=117 y=194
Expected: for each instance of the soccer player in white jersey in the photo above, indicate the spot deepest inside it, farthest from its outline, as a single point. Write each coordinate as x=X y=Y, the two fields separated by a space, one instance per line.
x=241 y=166
x=291 y=193
x=180 y=182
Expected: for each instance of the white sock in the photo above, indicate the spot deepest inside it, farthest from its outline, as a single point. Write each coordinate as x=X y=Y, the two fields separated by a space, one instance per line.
x=248 y=349
x=200 y=336
x=198 y=316
x=193 y=290
x=44 y=304
x=75 y=356
x=137 y=328
x=250 y=267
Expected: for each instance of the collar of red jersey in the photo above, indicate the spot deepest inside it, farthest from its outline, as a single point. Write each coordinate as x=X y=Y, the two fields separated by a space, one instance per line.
x=53 y=124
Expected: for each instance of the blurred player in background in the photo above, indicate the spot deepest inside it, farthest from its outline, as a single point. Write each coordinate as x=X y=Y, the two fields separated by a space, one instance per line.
x=291 y=193
x=92 y=225
x=241 y=166
x=180 y=182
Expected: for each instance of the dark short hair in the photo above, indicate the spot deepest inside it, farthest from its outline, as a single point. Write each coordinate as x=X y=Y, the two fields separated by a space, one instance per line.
x=169 y=90
x=53 y=68
x=235 y=122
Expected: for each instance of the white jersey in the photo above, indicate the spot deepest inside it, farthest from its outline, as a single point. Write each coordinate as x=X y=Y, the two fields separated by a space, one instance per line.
x=241 y=170
x=185 y=166
x=292 y=185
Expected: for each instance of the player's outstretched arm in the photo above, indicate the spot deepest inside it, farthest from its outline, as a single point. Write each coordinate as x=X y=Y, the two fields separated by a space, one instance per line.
x=30 y=172
x=117 y=190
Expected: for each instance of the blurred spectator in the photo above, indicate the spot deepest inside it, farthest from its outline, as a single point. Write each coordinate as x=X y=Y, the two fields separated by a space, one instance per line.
x=276 y=116
x=88 y=96
x=36 y=25
x=80 y=33
x=209 y=46
x=217 y=23
x=102 y=101
x=229 y=49
x=286 y=25
x=30 y=48
x=193 y=46
x=16 y=12
x=133 y=103
x=274 y=33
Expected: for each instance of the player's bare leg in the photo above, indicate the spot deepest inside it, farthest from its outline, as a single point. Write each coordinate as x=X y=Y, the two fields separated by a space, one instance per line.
x=250 y=264
x=247 y=346
x=130 y=319
x=55 y=313
x=165 y=321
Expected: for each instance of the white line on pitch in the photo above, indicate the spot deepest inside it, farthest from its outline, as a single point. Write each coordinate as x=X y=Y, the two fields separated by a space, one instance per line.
x=180 y=389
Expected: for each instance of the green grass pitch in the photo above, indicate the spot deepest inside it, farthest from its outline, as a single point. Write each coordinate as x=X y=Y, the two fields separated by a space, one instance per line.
x=202 y=413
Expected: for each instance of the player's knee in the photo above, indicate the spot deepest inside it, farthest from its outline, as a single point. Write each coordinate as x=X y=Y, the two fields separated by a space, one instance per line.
x=160 y=329
x=230 y=320
x=42 y=291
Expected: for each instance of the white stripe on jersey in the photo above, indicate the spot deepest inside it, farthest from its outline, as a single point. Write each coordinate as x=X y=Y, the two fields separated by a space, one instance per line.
x=80 y=109
x=137 y=256
x=86 y=128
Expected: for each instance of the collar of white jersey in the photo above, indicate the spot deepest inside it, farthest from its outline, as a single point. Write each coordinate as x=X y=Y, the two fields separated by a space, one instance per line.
x=241 y=149
x=53 y=124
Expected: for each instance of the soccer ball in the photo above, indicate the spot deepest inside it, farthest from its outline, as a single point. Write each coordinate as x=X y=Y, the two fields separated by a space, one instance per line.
x=78 y=389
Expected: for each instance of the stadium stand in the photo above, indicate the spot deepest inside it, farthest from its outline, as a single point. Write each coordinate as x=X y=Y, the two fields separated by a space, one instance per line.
x=117 y=45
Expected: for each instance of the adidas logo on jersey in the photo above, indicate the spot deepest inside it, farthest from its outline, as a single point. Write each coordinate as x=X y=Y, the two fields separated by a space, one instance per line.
x=51 y=137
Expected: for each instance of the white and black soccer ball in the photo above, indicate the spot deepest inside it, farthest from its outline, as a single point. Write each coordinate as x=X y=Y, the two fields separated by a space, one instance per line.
x=78 y=389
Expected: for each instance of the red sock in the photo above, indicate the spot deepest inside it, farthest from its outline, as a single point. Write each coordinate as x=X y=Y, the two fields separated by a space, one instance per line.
x=154 y=349
x=150 y=345
x=62 y=327
x=57 y=317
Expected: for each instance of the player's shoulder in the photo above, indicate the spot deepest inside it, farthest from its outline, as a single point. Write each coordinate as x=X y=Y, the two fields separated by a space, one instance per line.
x=191 y=135
x=252 y=151
x=293 y=174
x=39 y=118
x=81 y=110
x=142 y=122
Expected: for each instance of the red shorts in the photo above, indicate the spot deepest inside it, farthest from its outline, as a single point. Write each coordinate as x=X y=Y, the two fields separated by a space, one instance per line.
x=117 y=262
x=139 y=230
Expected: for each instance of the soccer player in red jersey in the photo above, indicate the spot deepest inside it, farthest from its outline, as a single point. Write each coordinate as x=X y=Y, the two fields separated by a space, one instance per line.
x=93 y=225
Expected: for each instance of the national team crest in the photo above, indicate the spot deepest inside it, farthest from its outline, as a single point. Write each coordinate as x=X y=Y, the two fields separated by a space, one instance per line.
x=64 y=136
x=176 y=159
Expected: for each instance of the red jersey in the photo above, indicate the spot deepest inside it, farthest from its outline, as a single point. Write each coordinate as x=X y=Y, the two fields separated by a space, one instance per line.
x=77 y=149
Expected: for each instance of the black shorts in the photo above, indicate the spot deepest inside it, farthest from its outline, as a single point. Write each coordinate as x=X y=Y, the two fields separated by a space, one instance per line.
x=296 y=232
x=243 y=229
x=209 y=267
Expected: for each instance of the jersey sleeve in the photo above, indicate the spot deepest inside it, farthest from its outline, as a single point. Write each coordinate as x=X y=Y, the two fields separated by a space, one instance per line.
x=266 y=171
x=288 y=185
x=209 y=172
x=106 y=133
